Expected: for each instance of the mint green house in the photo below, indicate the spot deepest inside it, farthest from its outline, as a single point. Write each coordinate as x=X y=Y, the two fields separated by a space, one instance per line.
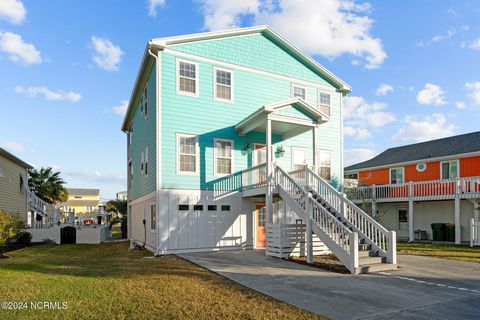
x=235 y=142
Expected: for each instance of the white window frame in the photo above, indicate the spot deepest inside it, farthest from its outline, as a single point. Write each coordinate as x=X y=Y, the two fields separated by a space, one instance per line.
x=292 y=90
x=215 y=69
x=197 y=154
x=177 y=76
x=153 y=216
x=142 y=161
x=143 y=100
x=319 y=165
x=449 y=169
x=299 y=149
x=390 y=174
x=145 y=164
x=319 y=105
x=215 y=156
x=130 y=167
x=130 y=137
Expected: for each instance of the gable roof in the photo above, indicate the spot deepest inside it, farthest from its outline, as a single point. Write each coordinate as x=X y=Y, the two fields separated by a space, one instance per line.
x=83 y=192
x=461 y=144
x=15 y=159
x=161 y=43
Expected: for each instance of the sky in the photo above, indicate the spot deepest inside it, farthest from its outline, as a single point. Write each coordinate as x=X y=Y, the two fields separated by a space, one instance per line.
x=67 y=69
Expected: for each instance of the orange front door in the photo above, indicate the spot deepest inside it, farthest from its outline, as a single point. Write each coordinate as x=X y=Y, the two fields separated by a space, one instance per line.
x=260 y=219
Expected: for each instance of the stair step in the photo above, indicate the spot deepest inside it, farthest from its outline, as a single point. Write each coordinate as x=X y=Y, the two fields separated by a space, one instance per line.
x=378 y=267
x=367 y=253
x=364 y=247
x=362 y=261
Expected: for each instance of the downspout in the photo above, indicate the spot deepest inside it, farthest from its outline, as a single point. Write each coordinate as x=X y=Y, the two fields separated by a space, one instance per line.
x=158 y=148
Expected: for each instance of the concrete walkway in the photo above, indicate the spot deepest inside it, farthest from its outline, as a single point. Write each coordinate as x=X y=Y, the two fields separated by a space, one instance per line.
x=420 y=290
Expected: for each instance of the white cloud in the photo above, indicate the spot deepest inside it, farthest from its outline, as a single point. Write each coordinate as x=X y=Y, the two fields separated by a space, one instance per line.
x=15 y=147
x=361 y=117
x=437 y=38
x=120 y=109
x=12 y=11
x=475 y=45
x=107 y=55
x=328 y=27
x=49 y=94
x=431 y=94
x=18 y=50
x=460 y=105
x=384 y=89
x=92 y=176
x=357 y=155
x=153 y=5
x=430 y=127
x=473 y=89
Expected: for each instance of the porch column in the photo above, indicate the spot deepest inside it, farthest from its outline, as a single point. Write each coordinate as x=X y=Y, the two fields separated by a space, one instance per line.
x=268 y=196
x=410 y=221
x=315 y=148
x=458 y=226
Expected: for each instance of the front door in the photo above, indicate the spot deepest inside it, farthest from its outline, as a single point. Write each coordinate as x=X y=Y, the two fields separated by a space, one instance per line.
x=402 y=223
x=260 y=219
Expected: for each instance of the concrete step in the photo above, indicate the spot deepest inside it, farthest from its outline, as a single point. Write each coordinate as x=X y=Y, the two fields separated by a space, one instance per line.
x=367 y=253
x=378 y=267
x=362 y=261
x=363 y=247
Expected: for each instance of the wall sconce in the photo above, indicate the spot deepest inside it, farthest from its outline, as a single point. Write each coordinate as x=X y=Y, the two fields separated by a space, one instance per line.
x=247 y=149
x=280 y=152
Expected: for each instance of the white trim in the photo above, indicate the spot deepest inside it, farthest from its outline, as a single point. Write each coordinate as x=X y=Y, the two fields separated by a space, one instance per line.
x=293 y=149
x=149 y=196
x=177 y=77
x=449 y=166
x=142 y=162
x=319 y=162
x=152 y=215
x=292 y=90
x=390 y=175
x=197 y=154
x=215 y=69
x=425 y=167
x=255 y=155
x=145 y=168
x=249 y=69
x=232 y=170
x=320 y=105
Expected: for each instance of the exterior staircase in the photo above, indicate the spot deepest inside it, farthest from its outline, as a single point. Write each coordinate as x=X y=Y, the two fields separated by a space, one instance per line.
x=360 y=242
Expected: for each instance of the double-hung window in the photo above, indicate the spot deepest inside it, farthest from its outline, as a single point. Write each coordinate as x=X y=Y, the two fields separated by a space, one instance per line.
x=142 y=162
x=324 y=102
x=298 y=91
x=223 y=156
x=223 y=85
x=299 y=158
x=187 y=154
x=145 y=169
x=144 y=102
x=449 y=169
x=397 y=176
x=325 y=165
x=187 y=78
x=130 y=170
x=153 y=216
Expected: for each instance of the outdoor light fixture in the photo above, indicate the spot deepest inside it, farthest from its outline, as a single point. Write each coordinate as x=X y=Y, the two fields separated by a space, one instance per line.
x=280 y=152
x=247 y=149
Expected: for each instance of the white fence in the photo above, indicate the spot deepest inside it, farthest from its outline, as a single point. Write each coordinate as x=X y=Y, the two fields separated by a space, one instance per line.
x=474 y=232
x=288 y=240
x=87 y=235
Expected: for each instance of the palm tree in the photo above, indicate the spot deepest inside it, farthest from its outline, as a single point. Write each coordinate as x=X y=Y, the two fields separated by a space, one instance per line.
x=48 y=185
x=118 y=206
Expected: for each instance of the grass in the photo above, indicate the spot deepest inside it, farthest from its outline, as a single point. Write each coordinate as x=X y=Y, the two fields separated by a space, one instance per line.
x=109 y=282
x=445 y=251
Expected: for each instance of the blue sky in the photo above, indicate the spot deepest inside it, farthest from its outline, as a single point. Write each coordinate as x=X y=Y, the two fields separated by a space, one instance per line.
x=67 y=69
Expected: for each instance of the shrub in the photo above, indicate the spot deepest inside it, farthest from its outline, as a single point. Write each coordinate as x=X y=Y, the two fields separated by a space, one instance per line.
x=10 y=226
x=23 y=238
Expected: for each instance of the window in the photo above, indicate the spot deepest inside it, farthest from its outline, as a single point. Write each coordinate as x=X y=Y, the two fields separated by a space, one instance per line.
x=144 y=102
x=298 y=91
x=145 y=170
x=223 y=86
x=197 y=207
x=153 y=216
x=421 y=167
x=130 y=172
x=299 y=158
x=183 y=207
x=225 y=207
x=325 y=165
x=212 y=207
x=187 y=154
x=142 y=161
x=324 y=102
x=187 y=76
x=223 y=156
x=402 y=216
x=449 y=169
x=130 y=136
x=396 y=175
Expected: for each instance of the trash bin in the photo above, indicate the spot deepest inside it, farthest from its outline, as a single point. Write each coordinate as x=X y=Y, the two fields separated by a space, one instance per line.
x=421 y=235
x=439 y=231
x=450 y=232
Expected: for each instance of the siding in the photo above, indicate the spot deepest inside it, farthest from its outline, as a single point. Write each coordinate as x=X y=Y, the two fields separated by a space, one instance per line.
x=211 y=119
x=12 y=200
x=144 y=134
x=470 y=167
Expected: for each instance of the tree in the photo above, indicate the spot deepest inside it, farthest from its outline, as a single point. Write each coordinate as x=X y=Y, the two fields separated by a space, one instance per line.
x=117 y=206
x=48 y=185
x=10 y=226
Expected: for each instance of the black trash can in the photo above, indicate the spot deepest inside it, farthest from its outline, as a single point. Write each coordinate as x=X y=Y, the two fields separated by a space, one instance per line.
x=439 y=231
x=450 y=232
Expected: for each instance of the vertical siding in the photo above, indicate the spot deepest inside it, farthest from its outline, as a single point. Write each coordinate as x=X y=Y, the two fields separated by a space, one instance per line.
x=12 y=199
x=379 y=176
x=470 y=167
x=144 y=134
x=432 y=172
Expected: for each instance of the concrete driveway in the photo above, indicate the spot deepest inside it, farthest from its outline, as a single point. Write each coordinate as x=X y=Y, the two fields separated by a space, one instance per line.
x=424 y=288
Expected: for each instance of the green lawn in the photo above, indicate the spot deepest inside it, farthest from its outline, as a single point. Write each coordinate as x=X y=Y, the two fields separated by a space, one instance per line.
x=109 y=282
x=446 y=251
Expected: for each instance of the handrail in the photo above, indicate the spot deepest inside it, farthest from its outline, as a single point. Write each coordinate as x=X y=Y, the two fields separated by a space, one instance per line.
x=254 y=177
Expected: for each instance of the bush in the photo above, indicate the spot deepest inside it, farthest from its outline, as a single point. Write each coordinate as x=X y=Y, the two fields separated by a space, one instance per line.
x=10 y=226
x=23 y=238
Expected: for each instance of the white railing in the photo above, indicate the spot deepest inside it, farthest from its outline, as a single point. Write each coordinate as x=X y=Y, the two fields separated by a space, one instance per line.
x=36 y=203
x=254 y=177
x=474 y=232
x=341 y=241
x=468 y=187
x=374 y=233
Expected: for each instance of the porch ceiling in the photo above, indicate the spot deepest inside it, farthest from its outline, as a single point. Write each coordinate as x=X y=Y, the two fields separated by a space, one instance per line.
x=282 y=124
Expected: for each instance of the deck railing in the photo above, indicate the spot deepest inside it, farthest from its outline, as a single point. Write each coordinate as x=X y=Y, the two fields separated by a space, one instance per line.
x=475 y=232
x=36 y=204
x=254 y=177
x=468 y=187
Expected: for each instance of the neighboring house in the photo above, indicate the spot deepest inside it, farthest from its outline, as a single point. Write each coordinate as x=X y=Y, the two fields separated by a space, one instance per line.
x=122 y=195
x=215 y=121
x=15 y=195
x=82 y=201
x=413 y=186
